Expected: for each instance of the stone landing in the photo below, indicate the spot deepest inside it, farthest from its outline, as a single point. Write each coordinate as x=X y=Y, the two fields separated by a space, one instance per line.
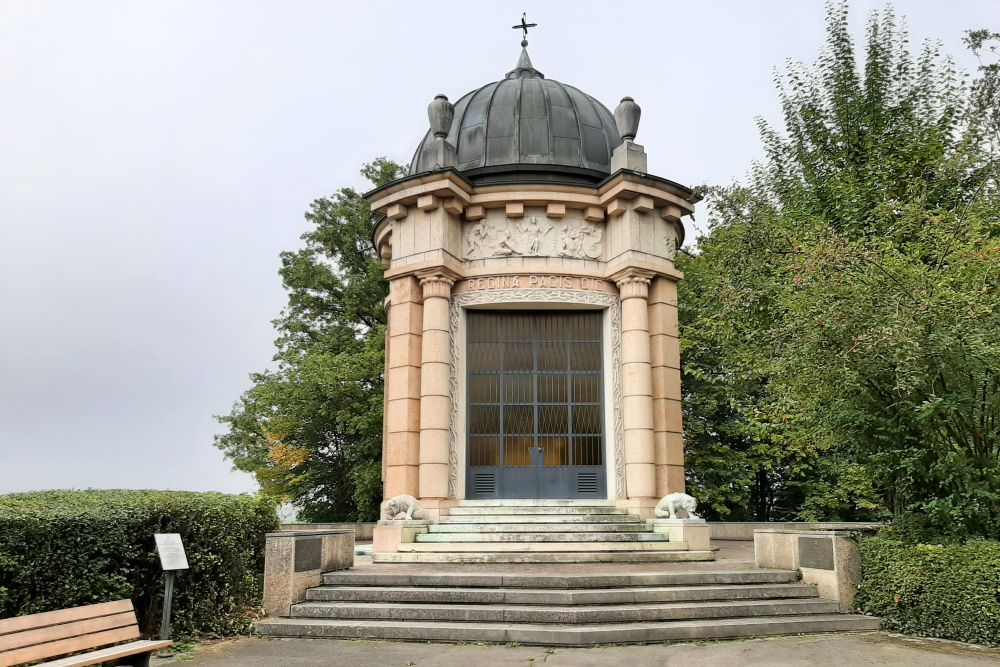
x=547 y=532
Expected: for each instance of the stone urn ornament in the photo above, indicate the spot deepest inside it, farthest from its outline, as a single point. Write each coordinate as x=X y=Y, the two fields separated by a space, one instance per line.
x=440 y=113
x=627 y=115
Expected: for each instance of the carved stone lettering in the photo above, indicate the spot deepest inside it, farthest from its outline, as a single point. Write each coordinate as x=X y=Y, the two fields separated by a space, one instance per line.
x=530 y=281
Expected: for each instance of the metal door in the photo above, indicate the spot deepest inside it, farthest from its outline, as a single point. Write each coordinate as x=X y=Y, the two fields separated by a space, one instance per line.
x=535 y=414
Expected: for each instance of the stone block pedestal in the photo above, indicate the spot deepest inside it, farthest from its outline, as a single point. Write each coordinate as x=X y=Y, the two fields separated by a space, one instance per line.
x=827 y=558
x=693 y=531
x=387 y=535
x=295 y=561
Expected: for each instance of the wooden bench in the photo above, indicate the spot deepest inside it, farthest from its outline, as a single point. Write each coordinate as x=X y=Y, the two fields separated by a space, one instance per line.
x=34 y=637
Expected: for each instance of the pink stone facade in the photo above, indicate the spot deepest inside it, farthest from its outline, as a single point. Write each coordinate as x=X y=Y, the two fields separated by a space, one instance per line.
x=448 y=245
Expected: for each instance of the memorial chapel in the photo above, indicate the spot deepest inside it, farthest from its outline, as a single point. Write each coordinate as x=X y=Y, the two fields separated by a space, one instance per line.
x=532 y=352
x=533 y=462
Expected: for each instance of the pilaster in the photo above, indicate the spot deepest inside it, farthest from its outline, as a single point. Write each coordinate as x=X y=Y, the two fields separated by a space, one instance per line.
x=402 y=387
x=665 y=358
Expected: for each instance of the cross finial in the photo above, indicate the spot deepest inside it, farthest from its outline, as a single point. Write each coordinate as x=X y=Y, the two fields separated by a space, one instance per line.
x=524 y=25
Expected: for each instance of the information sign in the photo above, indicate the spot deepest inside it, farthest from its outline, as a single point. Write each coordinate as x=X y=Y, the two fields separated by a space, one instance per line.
x=171 y=550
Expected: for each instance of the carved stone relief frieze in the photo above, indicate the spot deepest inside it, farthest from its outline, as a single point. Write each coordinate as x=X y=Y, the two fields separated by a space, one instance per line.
x=533 y=237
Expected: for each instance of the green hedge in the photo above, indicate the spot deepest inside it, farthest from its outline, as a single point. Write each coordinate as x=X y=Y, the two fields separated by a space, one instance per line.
x=63 y=549
x=946 y=591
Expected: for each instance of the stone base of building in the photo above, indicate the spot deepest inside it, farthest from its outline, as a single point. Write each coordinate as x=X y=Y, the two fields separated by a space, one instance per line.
x=693 y=532
x=643 y=508
x=538 y=531
x=388 y=535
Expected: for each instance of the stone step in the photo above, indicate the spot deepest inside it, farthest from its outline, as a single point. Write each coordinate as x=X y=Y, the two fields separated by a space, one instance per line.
x=535 y=509
x=536 y=580
x=540 y=518
x=545 y=557
x=499 y=613
x=543 y=537
x=533 y=502
x=537 y=547
x=566 y=635
x=635 y=527
x=554 y=596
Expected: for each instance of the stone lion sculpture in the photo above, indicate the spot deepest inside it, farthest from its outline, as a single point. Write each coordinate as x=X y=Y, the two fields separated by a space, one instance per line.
x=404 y=504
x=669 y=504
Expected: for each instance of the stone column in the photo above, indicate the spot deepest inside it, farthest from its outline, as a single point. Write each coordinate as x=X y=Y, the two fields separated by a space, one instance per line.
x=435 y=387
x=387 y=306
x=666 y=367
x=637 y=389
x=401 y=449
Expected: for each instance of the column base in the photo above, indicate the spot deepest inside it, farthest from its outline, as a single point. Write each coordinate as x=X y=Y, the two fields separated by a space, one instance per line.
x=435 y=508
x=640 y=507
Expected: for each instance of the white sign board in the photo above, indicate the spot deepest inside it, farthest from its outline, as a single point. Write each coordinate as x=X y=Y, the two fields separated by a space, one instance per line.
x=171 y=549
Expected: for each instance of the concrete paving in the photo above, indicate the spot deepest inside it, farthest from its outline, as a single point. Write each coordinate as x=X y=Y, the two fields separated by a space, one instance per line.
x=841 y=650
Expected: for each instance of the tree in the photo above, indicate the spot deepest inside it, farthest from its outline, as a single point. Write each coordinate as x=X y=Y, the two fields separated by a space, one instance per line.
x=310 y=430
x=849 y=292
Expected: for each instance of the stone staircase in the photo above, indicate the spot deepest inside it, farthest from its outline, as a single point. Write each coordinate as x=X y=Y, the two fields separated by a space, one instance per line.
x=540 y=532
x=559 y=609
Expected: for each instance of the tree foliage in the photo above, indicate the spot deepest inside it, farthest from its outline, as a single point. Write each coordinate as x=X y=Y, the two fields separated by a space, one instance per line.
x=310 y=430
x=841 y=321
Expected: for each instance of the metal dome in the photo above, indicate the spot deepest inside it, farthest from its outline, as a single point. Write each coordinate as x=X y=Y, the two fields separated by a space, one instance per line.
x=526 y=127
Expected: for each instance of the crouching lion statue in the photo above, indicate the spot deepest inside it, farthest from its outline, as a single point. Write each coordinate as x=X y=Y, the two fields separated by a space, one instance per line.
x=406 y=505
x=669 y=504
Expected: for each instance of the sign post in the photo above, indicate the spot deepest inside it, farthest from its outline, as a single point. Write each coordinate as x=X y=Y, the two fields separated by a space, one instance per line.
x=172 y=558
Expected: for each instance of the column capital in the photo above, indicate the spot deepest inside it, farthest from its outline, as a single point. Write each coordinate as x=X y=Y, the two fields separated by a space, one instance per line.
x=436 y=283
x=633 y=283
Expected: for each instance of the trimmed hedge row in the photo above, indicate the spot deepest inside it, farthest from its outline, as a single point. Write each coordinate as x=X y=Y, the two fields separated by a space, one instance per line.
x=63 y=549
x=944 y=591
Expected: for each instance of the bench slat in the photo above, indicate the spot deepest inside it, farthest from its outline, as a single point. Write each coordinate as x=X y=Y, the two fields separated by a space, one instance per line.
x=110 y=653
x=63 y=646
x=66 y=630
x=33 y=621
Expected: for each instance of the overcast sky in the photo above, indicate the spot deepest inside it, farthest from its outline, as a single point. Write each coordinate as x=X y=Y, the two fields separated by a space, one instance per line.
x=155 y=157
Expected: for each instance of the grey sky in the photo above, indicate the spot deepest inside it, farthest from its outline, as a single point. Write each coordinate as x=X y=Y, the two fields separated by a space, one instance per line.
x=155 y=157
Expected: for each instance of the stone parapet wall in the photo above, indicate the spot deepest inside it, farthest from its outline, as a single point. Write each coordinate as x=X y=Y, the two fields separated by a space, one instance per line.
x=362 y=530
x=828 y=559
x=743 y=530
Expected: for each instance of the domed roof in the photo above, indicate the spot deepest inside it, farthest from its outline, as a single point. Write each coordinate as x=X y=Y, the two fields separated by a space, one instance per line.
x=526 y=127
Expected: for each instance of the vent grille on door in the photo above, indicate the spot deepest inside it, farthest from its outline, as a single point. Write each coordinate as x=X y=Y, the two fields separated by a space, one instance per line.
x=484 y=482
x=586 y=482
